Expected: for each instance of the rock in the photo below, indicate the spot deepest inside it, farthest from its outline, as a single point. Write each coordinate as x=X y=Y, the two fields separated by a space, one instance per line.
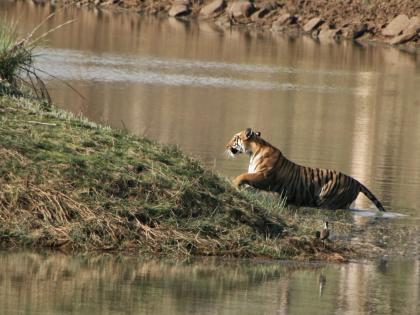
x=270 y=5
x=282 y=21
x=213 y=8
x=265 y=9
x=285 y=19
x=413 y=26
x=328 y=34
x=409 y=33
x=401 y=39
x=396 y=26
x=358 y=29
x=240 y=9
x=223 y=22
x=258 y=15
x=180 y=8
x=354 y=31
x=312 y=24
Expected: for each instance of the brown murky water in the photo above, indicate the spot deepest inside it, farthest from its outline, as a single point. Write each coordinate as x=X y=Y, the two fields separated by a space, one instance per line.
x=345 y=106
x=58 y=284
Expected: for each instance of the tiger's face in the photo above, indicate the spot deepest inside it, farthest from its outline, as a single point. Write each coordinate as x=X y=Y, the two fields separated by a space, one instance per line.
x=241 y=142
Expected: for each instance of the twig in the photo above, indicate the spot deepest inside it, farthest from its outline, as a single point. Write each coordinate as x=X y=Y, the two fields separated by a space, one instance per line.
x=50 y=31
x=38 y=26
x=41 y=123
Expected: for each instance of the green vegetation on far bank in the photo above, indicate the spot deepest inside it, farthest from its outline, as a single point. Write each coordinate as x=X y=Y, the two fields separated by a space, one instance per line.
x=68 y=183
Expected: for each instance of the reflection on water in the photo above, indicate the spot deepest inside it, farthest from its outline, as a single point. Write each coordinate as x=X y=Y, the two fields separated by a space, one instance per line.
x=353 y=108
x=343 y=106
x=75 y=65
x=57 y=284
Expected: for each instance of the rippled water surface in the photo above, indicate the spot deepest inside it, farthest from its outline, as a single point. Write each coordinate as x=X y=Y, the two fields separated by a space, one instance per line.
x=58 y=284
x=342 y=106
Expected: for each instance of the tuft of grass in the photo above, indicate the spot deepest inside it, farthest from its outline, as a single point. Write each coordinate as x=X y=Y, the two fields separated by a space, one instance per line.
x=13 y=56
x=18 y=75
x=17 y=72
x=71 y=184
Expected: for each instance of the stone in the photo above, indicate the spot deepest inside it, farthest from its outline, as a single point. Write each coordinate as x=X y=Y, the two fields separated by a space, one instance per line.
x=413 y=26
x=213 y=8
x=258 y=15
x=223 y=22
x=354 y=31
x=409 y=33
x=179 y=9
x=269 y=6
x=312 y=24
x=239 y=9
x=403 y=38
x=264 y=10
x=358 y=30
x=284 y=19
x=328 y=34
x=396 y=26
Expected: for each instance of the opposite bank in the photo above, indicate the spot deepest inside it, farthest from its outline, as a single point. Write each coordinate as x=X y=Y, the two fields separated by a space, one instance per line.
x=395 y=22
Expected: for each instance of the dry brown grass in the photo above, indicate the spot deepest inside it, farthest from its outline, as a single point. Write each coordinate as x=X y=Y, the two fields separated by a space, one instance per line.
x=70 y=184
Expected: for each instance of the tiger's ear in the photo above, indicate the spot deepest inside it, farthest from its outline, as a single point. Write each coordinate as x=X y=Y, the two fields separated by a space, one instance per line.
x=248 y=133
x=258 y=134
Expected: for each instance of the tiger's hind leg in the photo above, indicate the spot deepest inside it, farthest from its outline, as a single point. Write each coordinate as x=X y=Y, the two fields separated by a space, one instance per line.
x=338 y=193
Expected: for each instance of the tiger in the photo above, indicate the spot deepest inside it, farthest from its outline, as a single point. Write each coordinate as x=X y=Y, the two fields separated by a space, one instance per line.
x=303 y=186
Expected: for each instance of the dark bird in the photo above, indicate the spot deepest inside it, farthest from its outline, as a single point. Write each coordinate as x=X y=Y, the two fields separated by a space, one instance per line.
x=324 y=234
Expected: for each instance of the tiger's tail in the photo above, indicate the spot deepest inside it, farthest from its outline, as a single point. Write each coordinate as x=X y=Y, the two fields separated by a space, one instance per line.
x=371 y=197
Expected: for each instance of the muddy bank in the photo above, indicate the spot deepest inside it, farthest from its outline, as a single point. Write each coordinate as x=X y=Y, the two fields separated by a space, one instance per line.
x=396 y=22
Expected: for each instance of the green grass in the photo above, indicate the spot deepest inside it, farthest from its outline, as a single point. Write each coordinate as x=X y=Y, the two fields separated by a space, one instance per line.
x=71 y=184
x=14 y=56
x=18 y=75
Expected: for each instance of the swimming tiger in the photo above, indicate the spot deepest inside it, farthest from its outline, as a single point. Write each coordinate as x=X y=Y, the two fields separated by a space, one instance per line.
x=270 y=170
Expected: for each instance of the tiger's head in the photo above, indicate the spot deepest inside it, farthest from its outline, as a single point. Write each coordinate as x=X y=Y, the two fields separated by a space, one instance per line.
x=241 y=142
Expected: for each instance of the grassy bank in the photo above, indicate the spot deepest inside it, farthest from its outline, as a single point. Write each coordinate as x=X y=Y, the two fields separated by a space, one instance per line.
x=68 y=183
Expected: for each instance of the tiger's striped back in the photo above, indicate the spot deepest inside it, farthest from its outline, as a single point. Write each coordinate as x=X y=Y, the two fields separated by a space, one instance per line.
x=270 y=170
x=321 y=188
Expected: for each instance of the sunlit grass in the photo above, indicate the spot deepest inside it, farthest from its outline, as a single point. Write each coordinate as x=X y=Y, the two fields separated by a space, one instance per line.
x=14 y=58
x=18 y=74
x=71 y=184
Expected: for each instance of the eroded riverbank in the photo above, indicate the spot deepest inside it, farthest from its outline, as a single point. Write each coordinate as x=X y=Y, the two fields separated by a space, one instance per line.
x=395 y=22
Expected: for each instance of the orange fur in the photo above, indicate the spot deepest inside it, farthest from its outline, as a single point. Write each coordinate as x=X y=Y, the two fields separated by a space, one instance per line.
x=270 y=170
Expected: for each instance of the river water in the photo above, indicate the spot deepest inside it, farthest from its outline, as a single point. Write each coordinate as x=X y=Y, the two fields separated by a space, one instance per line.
x=346 y=106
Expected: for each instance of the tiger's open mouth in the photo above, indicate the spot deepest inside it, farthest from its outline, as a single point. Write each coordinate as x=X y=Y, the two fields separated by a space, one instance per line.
x=233 y=151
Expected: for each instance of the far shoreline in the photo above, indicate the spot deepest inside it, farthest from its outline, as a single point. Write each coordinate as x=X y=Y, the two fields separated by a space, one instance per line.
x=393 y=23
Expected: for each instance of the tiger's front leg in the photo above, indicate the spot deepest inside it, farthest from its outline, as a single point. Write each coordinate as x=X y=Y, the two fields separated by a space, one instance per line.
x=252 y=179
